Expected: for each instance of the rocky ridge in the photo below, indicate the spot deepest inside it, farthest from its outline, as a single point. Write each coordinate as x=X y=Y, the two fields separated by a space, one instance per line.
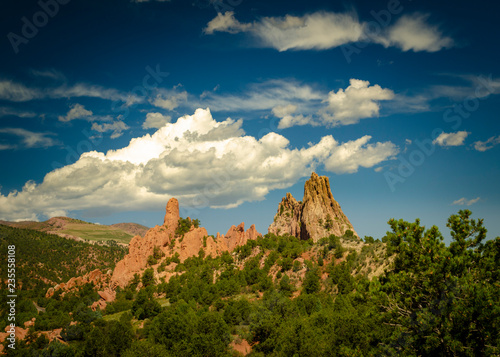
x=317 y=216
x=170 y=243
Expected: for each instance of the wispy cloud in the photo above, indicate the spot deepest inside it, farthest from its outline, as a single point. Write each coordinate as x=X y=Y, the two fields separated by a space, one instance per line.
x=18 y=92
x=169 y=98
x=324 y=30
x=31 y=139
x=488 y=144
x=264 y=96
x=465 y=202
x=49 y=73
x=414 y=33
x=226 y=23
x=77 y=111
x=116 y=127
x=7 y=111
x=295 y=103
x=6 y=147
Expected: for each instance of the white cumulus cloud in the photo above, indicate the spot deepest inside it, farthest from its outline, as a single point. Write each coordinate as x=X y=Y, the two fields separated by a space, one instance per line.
x=451 y=139
x=155 y=120
x=348 y=157
x=198 y=160
x=359 y=100
x=285 y=113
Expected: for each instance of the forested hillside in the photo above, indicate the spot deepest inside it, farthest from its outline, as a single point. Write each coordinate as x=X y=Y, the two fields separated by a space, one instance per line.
x=54 y=259
x=280 y=296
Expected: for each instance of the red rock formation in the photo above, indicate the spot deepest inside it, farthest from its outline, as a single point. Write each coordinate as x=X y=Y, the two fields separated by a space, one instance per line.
x=22 y=332
x=172 y=213
x=96 y=277
x=107 y=295
x=237 y=236
x=318 y=216
x=188 y=245
x=141 y=248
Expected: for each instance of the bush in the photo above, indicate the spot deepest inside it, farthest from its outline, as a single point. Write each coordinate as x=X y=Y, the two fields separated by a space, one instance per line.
x=148 y=277
x=184 y=225
x=285 y=287
x=285 y=264
x=296 y=266
x=152 y=260
x=145 y=305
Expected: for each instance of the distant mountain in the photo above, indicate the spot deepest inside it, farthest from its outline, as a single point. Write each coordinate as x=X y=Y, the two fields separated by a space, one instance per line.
x=80 y=230
x=132 y=228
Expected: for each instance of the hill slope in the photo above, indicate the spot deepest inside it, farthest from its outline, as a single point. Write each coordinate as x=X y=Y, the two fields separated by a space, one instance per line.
x=80 y=230
x=53 y=259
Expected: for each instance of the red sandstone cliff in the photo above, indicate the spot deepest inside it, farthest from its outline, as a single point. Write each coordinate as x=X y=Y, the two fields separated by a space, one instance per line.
x=187 y=245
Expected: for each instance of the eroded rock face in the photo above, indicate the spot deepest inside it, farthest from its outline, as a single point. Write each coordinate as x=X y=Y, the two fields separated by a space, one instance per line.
x=172 y=213
x=317 y=216
x=236 y=236
x=140 y=248
x=288 y=217
x=189 y=244
x=96 y=277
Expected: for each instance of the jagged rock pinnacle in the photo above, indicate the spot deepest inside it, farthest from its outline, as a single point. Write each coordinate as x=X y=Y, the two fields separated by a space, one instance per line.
x=317 y=216
x=172 y=213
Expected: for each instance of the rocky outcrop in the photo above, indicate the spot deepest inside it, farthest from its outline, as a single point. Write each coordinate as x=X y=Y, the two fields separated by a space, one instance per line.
x=317 y=216
x=237 y=236
x=21 y=333
x=165 y=239
x=96 y=277
x=172 y=213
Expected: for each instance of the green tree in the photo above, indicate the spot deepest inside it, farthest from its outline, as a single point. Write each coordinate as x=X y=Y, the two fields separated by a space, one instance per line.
x=146 y=348
x=148 y=277
x=440 y=299
x=285 y=286
x=312 y=282
x=145 y=305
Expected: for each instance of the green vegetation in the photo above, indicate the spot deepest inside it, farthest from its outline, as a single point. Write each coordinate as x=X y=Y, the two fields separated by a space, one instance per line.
x=288 y=297
x=53 y=258
x=96 y=232
x=185 y=224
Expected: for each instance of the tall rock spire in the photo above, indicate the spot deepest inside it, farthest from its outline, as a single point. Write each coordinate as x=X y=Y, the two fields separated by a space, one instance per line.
x=317 y=216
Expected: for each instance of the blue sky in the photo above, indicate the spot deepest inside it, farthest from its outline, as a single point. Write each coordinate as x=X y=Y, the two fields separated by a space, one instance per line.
x=108 y=109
